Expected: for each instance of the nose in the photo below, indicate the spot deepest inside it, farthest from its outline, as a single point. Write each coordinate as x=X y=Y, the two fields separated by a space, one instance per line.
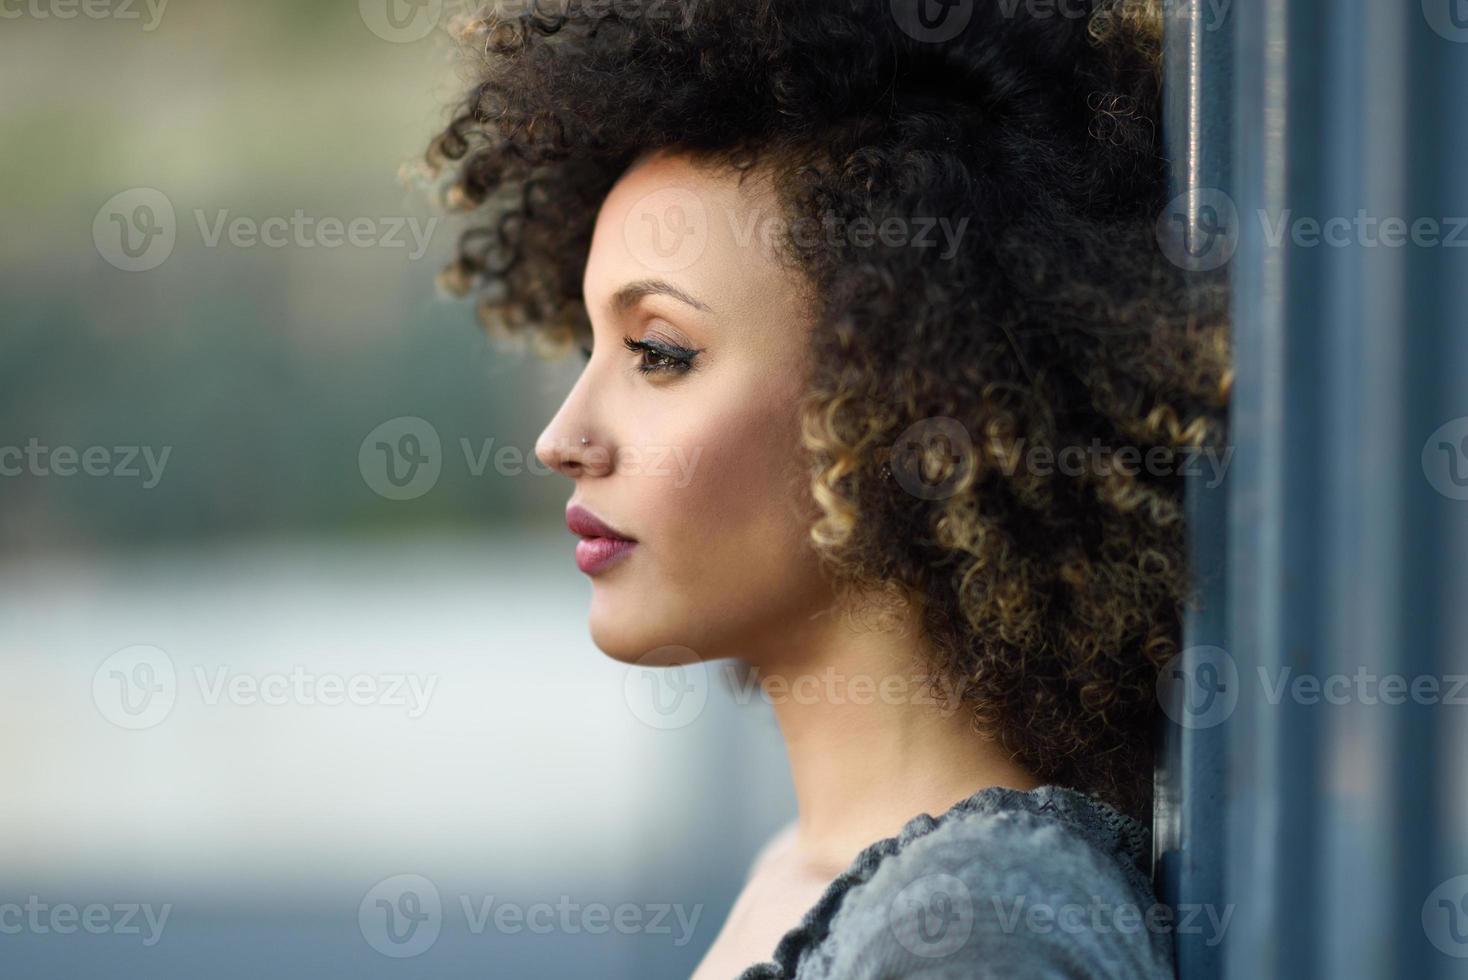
x=574 y=459
x=570 y=445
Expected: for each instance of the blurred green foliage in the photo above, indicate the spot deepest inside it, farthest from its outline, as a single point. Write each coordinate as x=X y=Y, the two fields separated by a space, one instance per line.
x=263 y=368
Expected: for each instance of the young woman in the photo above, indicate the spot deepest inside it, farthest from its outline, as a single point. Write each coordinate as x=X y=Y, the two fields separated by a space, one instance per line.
x=883 y=277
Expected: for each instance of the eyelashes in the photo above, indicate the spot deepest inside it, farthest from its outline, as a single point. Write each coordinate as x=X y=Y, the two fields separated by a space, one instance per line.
x=655 y=355
x=660 y=356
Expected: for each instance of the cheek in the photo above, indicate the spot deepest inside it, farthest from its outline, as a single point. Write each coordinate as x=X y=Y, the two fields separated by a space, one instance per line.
x=727 y=556
x=734 y=506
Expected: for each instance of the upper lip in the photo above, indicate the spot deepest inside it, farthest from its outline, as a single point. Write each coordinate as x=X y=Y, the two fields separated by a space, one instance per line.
x=584 y=523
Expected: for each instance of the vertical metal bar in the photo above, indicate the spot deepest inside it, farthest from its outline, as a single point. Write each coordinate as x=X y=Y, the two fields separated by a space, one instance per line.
x=1189 y=790
x=1254 y=514
x=1428 y=819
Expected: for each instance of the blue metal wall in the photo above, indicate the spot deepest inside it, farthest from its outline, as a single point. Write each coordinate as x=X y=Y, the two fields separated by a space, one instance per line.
x=1328 y=808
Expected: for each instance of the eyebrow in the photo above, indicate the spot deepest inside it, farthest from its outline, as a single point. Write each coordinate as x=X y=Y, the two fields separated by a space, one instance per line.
x=627 y=297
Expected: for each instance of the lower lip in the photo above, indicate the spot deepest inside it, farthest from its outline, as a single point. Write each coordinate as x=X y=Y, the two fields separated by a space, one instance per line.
x=595 y=555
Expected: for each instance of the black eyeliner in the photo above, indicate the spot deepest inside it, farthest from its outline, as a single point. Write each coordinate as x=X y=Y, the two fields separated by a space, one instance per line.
x=681 y=356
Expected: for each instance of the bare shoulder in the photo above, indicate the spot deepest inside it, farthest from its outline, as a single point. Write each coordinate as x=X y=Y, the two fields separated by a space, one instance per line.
x=774 y=897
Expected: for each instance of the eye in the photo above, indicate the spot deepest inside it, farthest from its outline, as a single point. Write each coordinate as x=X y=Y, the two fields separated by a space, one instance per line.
x=657 y=356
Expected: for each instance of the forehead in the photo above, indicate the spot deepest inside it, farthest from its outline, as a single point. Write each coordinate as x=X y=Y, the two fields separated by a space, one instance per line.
x=695 y=226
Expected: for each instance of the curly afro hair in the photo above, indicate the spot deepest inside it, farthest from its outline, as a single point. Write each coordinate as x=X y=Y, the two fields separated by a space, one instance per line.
x=1050 y=595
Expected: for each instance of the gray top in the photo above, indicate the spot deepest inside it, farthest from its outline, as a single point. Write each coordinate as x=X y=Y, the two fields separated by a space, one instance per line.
x=1048 y=883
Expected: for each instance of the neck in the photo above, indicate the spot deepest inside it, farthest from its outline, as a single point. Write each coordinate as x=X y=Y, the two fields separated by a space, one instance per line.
x=871 y=742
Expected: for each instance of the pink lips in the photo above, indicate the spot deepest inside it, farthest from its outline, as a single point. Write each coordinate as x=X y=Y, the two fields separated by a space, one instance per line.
x=600 y=546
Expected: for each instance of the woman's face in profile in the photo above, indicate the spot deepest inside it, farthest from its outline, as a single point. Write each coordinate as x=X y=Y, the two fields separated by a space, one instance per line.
x=688 y=412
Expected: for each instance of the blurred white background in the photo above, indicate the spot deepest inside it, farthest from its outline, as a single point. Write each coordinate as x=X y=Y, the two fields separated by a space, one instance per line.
x=524 y=765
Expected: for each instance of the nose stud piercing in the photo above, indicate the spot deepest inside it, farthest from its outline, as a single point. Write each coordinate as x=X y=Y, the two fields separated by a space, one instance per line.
x=585 y=441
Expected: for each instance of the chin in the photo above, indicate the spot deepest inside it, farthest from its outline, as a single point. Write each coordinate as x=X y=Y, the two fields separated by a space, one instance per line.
x=629 y=631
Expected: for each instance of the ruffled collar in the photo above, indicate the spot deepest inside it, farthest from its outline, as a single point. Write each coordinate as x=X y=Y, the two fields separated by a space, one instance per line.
x=1104 y=827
